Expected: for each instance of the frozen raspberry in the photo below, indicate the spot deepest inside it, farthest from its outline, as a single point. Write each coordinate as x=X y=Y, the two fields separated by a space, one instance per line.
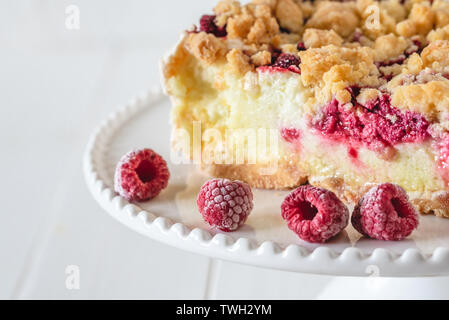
x=207 y=24
x=225 y=204
x=385 y=213
x=141 y=175
x=314 y=214
x=286 y=60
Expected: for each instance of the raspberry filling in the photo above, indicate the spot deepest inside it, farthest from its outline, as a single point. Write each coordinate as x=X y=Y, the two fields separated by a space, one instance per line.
x=208 y=25
x=292 y=136
x=442 y=146
x=283 y=62
x=376 y=125
x=301 y=46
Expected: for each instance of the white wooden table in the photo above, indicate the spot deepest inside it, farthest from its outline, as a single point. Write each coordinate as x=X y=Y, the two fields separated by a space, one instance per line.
x=56 y=84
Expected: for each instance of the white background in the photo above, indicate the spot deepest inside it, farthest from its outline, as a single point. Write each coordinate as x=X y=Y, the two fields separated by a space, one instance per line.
x=55 y=86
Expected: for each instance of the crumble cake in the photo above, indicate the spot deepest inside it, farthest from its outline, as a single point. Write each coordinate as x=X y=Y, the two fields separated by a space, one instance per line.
x=356 y=93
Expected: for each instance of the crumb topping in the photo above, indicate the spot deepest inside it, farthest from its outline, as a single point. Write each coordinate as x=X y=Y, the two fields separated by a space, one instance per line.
x=261 y=58
x=332 y=69
x=205 y=47
x=238 y=61
x=388 y=46
x=316 y=38
x=436 y=55
x=289 y=15
x=341 y=17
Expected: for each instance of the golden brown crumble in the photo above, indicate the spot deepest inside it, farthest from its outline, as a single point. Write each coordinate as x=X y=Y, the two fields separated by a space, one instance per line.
x=205 y=47
x=252 y=23
x=342 y=17
x=376 y=19
x=331 y=69
x=316 y=38
x=289 y=15
x=436 y=55
x=307 y=8
x=238 y=61
x=226 y=9
x=389 y=46
x=271 y=3
x=392 y=70
x=394 y=9
x=402 y=47
x=441 y=9
x=261 y=58
x=420 y=21
x=439 y=34
x=428 y=98
x=285 y=38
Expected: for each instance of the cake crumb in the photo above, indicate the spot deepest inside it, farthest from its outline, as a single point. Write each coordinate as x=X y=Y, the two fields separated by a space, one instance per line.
x=316 y=38
x=420 y=21
x=261 y=58
x=436 y=55
x=238 y=61
x=289 y=15
x=341 y=17
x=205 y=47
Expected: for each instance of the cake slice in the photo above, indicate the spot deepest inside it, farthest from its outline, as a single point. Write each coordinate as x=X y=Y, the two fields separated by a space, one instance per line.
x=342 y=95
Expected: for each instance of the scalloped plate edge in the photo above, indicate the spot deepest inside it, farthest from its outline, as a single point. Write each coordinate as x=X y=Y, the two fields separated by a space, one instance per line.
x=351 y=262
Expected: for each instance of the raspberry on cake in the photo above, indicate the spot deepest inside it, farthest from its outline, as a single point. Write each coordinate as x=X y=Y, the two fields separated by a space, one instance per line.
x=353 y=100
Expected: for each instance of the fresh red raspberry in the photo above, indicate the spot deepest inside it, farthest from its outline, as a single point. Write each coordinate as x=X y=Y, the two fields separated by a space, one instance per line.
x=225 y=204
x=314 y=214
x=141 y=175
x=207 y=24
x=385 y=213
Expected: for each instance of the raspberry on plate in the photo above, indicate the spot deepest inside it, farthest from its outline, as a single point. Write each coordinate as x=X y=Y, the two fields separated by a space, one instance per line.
x=314 y=214
x=225 y=204
x=385 y=213
x=141 y=175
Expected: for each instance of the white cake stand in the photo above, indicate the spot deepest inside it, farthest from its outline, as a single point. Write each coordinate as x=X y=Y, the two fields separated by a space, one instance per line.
x=265 y=240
